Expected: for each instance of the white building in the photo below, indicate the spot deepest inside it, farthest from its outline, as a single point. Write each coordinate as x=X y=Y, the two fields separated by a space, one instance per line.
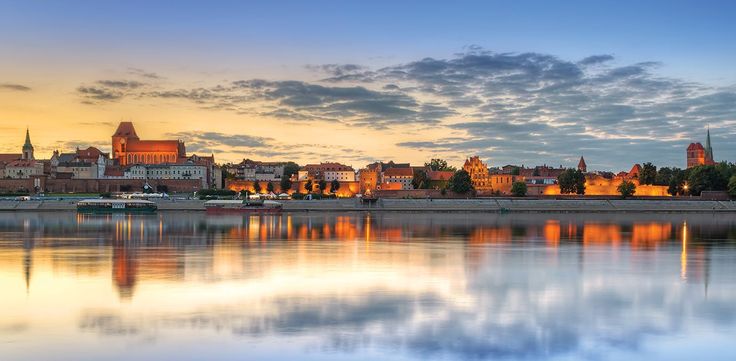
x=168 y=171
x=23 y=169
x=340 y=175
x=403 y=176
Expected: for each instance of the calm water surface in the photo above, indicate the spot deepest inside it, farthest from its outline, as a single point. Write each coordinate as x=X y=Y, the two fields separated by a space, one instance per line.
x=185 y=286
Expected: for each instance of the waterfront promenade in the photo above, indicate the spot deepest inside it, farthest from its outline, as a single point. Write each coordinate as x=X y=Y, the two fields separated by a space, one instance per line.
x=490 y=205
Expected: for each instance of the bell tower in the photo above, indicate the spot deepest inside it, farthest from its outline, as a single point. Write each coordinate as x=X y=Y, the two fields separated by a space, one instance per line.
x=123 y=135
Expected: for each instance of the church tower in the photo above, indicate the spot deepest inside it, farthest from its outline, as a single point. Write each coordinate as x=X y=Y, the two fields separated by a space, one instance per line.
x=582 y=166
x=708 y=150
x=27 y=147
x=123 y=135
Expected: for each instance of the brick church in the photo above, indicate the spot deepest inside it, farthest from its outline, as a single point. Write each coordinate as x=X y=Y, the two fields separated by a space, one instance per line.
x=127 y=148
x=699 y=155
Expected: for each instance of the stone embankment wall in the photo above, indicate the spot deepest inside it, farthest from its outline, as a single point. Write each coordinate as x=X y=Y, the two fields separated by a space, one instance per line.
x=436 y=205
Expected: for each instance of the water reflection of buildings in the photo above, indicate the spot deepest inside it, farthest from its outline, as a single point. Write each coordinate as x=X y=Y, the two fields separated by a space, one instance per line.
x=156 y=247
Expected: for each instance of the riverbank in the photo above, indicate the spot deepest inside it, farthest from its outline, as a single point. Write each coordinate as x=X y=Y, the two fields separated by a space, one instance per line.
x=487 y=205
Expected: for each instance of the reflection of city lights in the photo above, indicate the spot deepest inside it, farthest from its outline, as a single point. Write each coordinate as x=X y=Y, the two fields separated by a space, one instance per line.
x=683 y=255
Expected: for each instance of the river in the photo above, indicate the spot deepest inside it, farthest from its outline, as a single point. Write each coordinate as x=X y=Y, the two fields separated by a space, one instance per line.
x=362 y=286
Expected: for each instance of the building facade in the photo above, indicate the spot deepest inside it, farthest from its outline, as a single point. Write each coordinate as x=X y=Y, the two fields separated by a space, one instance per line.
x=398 y=176
x=127 y=148
x=699 y=155
x=187 y=171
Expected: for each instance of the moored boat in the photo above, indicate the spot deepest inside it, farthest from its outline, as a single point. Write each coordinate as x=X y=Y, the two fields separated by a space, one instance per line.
x=222 y=206
x=116 y=206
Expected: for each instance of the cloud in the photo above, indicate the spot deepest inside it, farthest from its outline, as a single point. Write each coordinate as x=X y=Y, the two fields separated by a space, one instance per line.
x=143 y=73
x=525 y=108
x=123 y=84
x=596 y=59
x=99 y=93
x=214 y=142
x=15 y=87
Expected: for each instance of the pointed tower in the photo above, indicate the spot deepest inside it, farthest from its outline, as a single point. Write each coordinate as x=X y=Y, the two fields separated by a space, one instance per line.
x=123 y=135
x=581 y=165
x=708 y=149
x=28 y=147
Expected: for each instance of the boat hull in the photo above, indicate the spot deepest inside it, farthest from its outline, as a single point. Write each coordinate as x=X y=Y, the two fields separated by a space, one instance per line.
x=102 y=210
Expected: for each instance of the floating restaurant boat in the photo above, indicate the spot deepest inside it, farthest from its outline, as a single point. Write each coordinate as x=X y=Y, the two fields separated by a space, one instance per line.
x=222 y=206
x=116 y=205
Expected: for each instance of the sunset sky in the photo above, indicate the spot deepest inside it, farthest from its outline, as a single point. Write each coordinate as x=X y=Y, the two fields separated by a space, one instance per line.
x=533 y=82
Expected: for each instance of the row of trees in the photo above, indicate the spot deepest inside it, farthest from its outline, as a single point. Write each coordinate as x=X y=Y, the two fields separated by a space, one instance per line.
x=691 y=181
x=322 y=186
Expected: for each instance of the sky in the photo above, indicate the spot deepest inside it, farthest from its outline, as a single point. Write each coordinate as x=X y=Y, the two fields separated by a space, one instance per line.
x=523 y=82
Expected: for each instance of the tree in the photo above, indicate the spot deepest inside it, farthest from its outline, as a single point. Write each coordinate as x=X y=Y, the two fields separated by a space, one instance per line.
x=705 y=178
x=437 y=164
x=460 y=182
x=664 y=176
x=571 y=181
x=244 y=194
x=420 y=180
x=322 y=184
x=648 y=173
x=309 y=186
x=515 y=170
x=285 y=184
x=627 y=188
x=334 y=186
x=518 y=189
x=732 y=186
x=290 y=168
x=676 y=183
x=269 y=187
x=256 y=187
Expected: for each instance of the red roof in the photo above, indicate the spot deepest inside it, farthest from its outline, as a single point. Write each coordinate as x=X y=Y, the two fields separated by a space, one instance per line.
x=153 y=146
x=125 y=129
x=7 y=158
x=439 y=175
x=22 y=163
x=91 y=153
x=635 y=170
x=398 y=172
x=113 y=172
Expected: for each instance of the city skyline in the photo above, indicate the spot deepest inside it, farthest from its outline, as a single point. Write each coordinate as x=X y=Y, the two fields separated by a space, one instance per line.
x=272 y=87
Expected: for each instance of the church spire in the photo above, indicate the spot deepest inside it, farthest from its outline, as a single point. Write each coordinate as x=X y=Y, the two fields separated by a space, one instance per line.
x=708 y=148
x=27 y=146
x=581 y=165
x=28 y=138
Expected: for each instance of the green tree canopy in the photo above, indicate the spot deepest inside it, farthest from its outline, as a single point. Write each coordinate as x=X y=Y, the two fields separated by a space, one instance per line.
x=285 y=184
x=334 y=186
x=648 y=173
x=322 y=184
x=518 y=189
x=732 y=186
x=438 y=164
x=290 y=168
x=308 y=186
x=705 y=178
x=420 y=180
x=269 y=187
x=257 y=187
x=460 y=182
x=571 y=181
x=626 y=189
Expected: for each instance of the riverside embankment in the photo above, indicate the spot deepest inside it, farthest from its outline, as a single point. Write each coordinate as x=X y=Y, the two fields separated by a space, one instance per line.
x=490 y=205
